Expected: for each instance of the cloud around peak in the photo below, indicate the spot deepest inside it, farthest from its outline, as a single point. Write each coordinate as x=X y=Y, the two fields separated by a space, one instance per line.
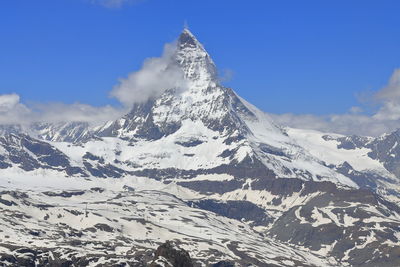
x=157 y=75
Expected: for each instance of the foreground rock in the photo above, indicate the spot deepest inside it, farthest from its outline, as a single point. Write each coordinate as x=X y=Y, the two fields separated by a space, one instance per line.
x=169 y=255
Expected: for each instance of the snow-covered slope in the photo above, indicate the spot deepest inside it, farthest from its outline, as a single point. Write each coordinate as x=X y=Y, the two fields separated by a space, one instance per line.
x=111 y=222
x=62 y=132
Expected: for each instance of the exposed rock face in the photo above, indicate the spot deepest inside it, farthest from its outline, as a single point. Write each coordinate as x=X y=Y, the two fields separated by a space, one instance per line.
x=223 y=264
x=63 y=132
x=385 y=149
x=239 y=210
x=169 y=255
x=31 y=154
x=329 y=221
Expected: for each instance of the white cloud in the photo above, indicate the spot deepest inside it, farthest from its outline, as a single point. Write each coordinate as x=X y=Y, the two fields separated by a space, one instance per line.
x=389 y=111
x=389 y=96
x=227 y=75
x=155 y=76
x=356 y=110
x=60 y=112
x=391 y=92
x=12 y=111
x=113 y=3
x=385 y=120
x=8 y=102
x=339 y=123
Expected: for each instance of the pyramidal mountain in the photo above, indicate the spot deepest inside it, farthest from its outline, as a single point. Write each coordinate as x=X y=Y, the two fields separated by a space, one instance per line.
x=202 y=167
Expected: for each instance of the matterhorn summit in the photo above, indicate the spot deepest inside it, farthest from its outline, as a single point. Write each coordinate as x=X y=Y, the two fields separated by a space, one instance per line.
x=194 y=59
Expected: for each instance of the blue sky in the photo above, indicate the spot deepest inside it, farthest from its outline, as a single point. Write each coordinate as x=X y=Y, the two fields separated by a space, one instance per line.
x=286 y=56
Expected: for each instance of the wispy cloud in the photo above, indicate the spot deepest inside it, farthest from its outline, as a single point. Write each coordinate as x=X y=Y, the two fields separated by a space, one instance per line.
x=156 y=75
x=226 y=75
x=114 y=3
x=386 y=119
x=61 y=112
x=12 y=111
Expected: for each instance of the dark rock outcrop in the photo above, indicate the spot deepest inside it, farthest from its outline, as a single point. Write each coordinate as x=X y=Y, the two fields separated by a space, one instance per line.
x=169 y=255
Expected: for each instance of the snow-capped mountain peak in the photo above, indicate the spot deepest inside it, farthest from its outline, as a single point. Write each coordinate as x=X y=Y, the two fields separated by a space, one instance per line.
x=207 y=126
x=203 y=100
x=194 y=59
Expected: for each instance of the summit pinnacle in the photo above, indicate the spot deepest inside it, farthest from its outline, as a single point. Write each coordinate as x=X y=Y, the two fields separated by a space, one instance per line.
x=194 y=59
